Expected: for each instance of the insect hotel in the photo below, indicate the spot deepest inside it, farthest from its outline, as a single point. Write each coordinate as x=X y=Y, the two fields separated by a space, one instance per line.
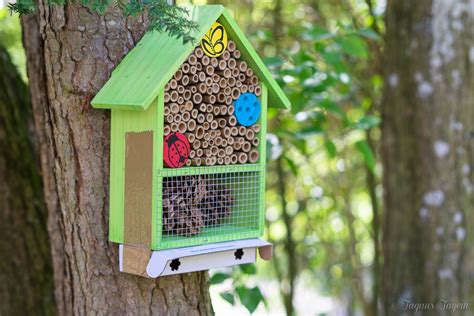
x=187 y=156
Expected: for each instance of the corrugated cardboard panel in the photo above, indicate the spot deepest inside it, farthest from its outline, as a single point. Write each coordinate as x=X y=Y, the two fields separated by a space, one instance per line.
x=138 y=188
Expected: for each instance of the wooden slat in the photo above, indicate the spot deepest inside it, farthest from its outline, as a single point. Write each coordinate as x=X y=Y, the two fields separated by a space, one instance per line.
x=138 y=188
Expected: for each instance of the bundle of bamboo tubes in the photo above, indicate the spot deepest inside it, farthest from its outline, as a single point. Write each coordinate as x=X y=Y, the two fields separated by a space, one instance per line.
x=199 y=104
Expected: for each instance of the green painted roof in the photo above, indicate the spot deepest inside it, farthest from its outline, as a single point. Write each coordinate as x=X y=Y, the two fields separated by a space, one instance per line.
x=146 y=69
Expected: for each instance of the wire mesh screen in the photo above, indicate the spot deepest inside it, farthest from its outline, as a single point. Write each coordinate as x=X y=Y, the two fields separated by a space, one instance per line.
x=211 y=206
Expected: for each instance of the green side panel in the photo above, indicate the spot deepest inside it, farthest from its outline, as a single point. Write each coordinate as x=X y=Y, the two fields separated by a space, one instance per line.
x=157 y=181
x=263 y=150
x=122 y=122
x=277 y=98
x=145 y=70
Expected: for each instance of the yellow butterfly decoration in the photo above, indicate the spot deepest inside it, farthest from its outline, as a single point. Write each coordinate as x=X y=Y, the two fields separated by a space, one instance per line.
x=214 y=42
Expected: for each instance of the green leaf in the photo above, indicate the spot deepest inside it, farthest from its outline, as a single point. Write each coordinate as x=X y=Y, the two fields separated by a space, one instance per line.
x=229 y=297
x=330 y=148
x=218 y=278
x=248 y=268
x=367 y=122
x=250 y=298
x=369 y=33
x=367 y=153
x=354 y=46
x=318 y=34
x=292 y=165
x=332 y=107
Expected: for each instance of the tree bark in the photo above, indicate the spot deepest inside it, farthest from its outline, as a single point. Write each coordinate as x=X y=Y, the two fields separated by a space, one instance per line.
x=26 y=283
x=428 y=155
x=71 y=53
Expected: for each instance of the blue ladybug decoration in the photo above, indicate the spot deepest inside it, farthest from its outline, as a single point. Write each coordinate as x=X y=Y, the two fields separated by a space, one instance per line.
x=247 y=109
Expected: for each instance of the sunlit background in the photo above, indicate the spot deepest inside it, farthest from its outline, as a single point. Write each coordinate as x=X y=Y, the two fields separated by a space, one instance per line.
x=323 y=185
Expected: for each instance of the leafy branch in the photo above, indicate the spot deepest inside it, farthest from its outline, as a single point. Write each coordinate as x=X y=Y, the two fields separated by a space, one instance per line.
x=163 y=17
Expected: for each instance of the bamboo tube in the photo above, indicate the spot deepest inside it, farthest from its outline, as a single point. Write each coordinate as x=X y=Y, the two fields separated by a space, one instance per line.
x=199 y=152
x=199 y=132
x=242 y=65
x=177 y=118
x=178 y=75
x=244 y=88
x=209 y=99
x=242 y=130
x=255 y=141
x=246 y=147
x=193 y=70
x=205 y=60
x=207 y=153
x=192 y=154
x=185 y=68
x=220 y=161
x=211 y=141
x=201 y=118
x=214 y=125
x=197 y=98
x=253 y=156
x=167 y=87
x=182 y=108
x=216 y=111
x=232 y=121
x=232 y=63
x=254 y=80
x=198 y=52
x=218 y=141
x=203 y=108
x=166 y=130
x=225 y=132
x=202 y=76
x=169 y=118
x=235 y=93
x=235 y=72
x=167 y=97
x=238 y=84
x=249 y=134
x=236 y=54
x=209 y=108
x=230 y=110
x=209 y=81
x=258 y=91
x=180 y=89
x=174 y=96
x=222 y=65
x=185 y=80
x=174 y=127
x=243 y=157
x=167 y=110
x=192 y=60
x=231 y=46
x=229 y=150
x=198 y=66
x=214 y=150
x=196 y=144
x=237 y=146
x=240 y=140
x=224 y=143
x=234 y=159
x=226 y=55
x=249 y=72
x=191 y=137
x=202 y=88
x=228 y=91
x=221 y=153
x=187 y=95
x=188 y=105
x=173 y=84
x=234 y=131
x=194 y=79
x=223 y=83
x=180 y=100
x=230 y=141
x=209 y=117
x=229 y=100
x=214 y=62
x=231 y=81
x=194 y=113
x=241 y=77
x=207 y=136
x=204 y=144
x=222 y=122
x=213 y=161
x=223 y=110
x=209 y=70
x=256 y=128
x=188 y=162
x=174 y=108
x=215 y=87
x=226 y=73
x=221 y=97
x=251 y=89
x=209 y=90
x=191 y=125
x=182 y=127
x=208 y=161
x=213 y=134
x=227 y=160
x=206 y=126
x=215 y=78
x=196 y=161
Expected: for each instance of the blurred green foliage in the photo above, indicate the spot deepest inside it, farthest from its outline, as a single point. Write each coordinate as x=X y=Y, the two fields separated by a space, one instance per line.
x=10 y=38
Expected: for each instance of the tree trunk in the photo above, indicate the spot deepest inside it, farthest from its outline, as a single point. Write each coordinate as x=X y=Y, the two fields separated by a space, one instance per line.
x=26 y=282
x=428 y=155
x=71 y=53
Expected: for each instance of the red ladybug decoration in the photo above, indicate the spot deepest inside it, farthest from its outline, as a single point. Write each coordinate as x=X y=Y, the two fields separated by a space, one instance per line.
x=176 y=150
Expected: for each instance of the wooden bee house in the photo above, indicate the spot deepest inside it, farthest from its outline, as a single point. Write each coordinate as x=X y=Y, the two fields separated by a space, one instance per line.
x=187 y=158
